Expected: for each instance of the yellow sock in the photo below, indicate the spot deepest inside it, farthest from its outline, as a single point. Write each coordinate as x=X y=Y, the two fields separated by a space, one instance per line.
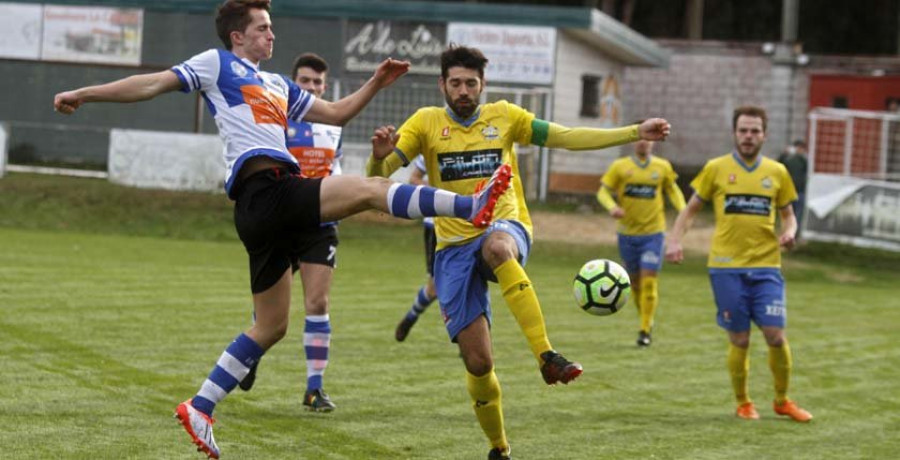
x=781 y=362
x=739 y=368
x=485 y=393
x=523 y=303
x=649 y=301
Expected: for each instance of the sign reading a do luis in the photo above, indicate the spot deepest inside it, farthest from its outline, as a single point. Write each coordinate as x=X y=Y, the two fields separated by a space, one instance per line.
x=370 y=42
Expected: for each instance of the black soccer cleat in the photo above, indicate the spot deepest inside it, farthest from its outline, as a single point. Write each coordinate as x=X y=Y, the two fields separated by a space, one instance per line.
x=403 y=328
x=643 y=339
x=250 y=379
x=558 y=369
x=499 y=454
x=317 y=401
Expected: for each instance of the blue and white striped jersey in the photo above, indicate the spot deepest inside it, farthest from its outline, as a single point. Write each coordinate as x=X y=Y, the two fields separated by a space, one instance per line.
x=251 y=107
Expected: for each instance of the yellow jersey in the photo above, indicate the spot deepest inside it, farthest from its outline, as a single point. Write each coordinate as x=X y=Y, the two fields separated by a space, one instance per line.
x=459 y=154
x=639 y=187
x=745 y=198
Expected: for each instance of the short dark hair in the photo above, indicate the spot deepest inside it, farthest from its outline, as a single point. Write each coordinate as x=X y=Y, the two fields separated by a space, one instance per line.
x=311 y=60
x=462 y=56
x=799 y=143
x=750 y=111
x=234 y=16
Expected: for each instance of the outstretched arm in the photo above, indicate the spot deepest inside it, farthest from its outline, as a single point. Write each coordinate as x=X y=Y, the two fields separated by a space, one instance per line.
x=340 y=112
x=553 y=135
x=674 y=251
x=131 y=89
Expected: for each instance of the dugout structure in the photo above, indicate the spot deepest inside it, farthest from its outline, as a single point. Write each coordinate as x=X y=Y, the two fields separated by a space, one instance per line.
x=853 y=194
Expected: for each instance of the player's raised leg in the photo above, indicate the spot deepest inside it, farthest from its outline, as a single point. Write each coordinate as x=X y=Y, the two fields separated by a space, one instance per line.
x=342 y=196
x=505 y=243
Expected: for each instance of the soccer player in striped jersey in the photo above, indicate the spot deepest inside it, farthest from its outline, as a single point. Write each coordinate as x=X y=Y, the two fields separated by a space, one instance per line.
x=317 y=148
x=427 y=292
x=746 y=190
x=274 y=205
x=462 y=143
x=638 y=183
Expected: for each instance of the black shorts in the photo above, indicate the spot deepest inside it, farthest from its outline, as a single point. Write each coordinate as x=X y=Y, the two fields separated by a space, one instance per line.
x=277 y=217
x=430 y=245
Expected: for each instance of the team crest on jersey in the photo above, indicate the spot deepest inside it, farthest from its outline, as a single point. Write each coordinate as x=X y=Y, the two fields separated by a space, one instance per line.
x=490 y=133
x=654 y=175
x=292 y=131
x=445 y=132
x=732 y=178
x=238 y=69
x=767 y=182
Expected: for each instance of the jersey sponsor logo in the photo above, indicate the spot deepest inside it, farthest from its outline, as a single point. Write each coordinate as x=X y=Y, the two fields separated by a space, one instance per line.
x=756 y=205
x=267 y=108
x=641 y=191
x=468 y=165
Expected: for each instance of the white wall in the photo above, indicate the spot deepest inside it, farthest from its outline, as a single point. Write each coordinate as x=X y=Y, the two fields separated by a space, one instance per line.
x=4 y=147
x=574 y=58
x=166 y=160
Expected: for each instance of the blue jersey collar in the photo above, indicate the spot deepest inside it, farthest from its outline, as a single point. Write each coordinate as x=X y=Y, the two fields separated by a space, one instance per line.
x=749 y=168
x=467 y=122
x=639 y=163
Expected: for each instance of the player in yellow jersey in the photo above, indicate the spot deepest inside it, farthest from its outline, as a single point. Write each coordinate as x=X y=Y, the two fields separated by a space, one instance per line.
x=462 y=145
x=638 y=183
x=745 y=190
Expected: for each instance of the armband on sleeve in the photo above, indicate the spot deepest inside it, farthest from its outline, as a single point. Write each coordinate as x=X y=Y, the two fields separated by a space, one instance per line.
x=553 y=135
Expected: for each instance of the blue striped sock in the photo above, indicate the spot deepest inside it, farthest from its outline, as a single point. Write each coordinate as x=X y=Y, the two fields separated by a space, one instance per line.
x=231 y=368
x=422 y=302
x=316 y=342
x=416 y=201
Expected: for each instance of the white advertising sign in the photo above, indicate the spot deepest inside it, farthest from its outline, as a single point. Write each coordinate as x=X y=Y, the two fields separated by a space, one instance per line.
x=516 y=54
x=20 y=31
x=92 y=34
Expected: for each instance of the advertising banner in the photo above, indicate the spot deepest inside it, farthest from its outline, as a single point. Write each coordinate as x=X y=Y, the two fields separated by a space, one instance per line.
x=92 y=34
x=516 y=54
x=370 y=42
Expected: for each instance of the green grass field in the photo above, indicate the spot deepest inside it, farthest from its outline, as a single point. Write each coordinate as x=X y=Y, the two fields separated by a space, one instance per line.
x=116 y=303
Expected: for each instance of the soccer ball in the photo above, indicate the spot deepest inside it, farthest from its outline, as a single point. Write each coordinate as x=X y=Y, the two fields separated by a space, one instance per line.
x=601 y=287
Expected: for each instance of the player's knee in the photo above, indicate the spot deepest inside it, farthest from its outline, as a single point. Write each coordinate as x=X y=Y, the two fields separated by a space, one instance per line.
x=317 y=305
x=775 y=338
x=741 y=342
x=478 y=364
x=497 y=251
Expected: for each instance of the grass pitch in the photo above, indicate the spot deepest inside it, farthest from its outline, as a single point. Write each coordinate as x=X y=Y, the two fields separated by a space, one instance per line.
x=116 y=303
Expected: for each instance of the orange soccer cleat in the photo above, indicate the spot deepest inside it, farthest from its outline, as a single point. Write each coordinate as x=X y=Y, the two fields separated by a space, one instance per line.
x=747 y=411
x=792 y=410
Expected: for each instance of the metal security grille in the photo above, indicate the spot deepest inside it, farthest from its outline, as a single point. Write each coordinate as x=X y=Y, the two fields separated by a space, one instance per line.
x=855 y=143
